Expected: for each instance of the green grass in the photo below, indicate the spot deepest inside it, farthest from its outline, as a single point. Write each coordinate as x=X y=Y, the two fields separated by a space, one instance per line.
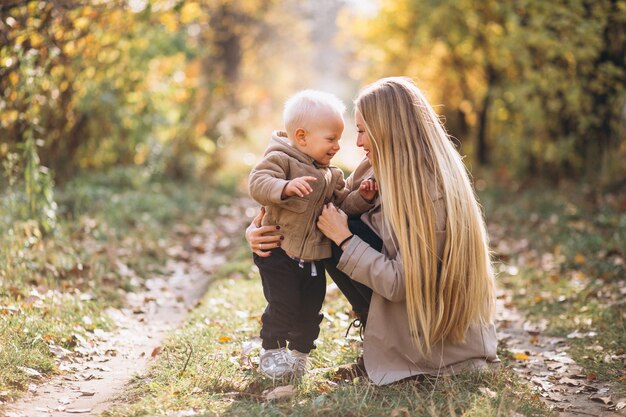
x=567 y=249
x=113 y=230
x=204 y=367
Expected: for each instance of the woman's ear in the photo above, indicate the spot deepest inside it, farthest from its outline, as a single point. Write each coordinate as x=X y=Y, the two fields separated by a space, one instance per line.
x=300 y=136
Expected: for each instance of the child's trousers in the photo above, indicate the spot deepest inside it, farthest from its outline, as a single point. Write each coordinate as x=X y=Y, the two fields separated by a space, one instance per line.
x=294 y=300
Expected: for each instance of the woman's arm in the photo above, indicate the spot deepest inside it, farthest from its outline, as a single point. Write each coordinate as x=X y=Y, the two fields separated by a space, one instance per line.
x=366 y=265
x=360 y=261
x=263 y=238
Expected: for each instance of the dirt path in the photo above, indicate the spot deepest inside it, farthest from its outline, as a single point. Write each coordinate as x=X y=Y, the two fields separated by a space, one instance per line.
x=99 y=368
x=545 y=363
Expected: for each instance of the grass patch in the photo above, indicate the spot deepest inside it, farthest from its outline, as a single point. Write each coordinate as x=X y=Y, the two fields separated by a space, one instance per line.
x=206 y=366
x=561 y=251
x=112 y=231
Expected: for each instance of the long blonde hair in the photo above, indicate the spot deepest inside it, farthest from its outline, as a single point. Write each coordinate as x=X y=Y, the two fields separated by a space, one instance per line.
x=415 y=163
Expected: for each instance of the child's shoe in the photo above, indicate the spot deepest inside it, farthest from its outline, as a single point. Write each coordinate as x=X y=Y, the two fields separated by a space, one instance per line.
x=301 y=363
x=276 y=363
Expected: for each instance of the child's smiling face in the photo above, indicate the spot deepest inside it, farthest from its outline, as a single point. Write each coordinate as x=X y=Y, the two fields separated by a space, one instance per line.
x=321 y=140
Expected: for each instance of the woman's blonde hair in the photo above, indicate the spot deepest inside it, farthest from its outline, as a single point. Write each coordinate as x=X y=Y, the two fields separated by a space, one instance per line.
x=415 y=163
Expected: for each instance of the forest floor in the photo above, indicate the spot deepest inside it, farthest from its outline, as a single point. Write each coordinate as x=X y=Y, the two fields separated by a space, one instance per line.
x=164 y=348
x=98 y=370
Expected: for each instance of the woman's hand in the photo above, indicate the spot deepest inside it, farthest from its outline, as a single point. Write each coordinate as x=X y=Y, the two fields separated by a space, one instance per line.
x=334 y=223
x=259 y=238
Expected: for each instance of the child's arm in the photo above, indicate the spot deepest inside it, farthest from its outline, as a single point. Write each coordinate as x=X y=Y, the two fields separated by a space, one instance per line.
x=268 y=183
x=353 y=202
x=368 y=189
x=268 y=179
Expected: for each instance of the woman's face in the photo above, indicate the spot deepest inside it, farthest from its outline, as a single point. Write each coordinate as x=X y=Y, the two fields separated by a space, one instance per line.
x=362 y=140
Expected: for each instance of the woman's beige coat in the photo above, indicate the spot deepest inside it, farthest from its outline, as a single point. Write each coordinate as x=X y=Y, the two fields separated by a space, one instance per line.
x=388 y=350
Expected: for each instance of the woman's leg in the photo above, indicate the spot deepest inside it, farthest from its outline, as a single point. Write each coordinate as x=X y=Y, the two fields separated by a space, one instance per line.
x=357 y=294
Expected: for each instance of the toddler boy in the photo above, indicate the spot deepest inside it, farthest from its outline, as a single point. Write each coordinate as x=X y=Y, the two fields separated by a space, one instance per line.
x=294 y=181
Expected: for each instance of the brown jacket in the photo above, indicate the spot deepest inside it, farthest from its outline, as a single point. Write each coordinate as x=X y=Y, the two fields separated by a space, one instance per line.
x=388 y=351
x=297 y=216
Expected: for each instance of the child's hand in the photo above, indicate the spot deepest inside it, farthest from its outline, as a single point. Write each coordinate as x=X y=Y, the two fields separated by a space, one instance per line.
x=368 y=189
x=298 y=186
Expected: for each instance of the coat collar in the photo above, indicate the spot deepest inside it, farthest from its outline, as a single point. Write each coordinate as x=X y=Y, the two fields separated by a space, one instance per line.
x=280 y=142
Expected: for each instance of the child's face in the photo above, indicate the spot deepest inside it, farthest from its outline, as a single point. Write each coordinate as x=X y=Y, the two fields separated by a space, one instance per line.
x=321 y=141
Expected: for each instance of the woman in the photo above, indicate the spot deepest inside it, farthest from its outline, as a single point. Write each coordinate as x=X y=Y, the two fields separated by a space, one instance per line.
x=419 y=260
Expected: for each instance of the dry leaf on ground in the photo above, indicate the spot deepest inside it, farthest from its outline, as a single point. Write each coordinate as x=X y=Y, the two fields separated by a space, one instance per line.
x=280 y=393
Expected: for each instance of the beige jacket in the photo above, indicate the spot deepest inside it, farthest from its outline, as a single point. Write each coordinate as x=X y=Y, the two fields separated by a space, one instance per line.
x=388 y=352
x=297 y=216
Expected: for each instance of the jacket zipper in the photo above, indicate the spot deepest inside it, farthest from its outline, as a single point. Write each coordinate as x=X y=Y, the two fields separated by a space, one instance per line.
x=308 y=226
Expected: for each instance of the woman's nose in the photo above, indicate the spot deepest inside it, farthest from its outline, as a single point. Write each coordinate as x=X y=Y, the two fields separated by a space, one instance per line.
x=359 y=141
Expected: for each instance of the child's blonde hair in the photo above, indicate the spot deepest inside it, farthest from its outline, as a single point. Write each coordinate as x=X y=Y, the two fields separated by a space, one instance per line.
x=413 y=159
x=302 y=108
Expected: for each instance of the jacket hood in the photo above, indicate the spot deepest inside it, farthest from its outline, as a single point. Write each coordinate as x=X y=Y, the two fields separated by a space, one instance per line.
x=280 y=143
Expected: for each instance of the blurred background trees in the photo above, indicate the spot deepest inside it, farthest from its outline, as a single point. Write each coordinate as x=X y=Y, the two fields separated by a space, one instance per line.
x=533 y=88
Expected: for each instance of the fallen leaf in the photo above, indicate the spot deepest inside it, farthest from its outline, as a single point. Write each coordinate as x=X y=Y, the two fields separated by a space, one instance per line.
x=520 y=356
x=488 y=392
x=59 y=352
x=543 y=383
x=78 y=410
x=621 y=404
x=578 y=335
x=249 y=346
x=606 y=400
x=279 y=393
x=87 y=393
x=579 y=258
x=400 y=412
x=570 y=382
x=29 y=371
x=157 y=350
x=224 y=339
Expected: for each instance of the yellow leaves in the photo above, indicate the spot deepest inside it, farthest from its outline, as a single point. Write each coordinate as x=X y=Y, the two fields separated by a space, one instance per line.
x=36 y=40
x=494 y=29
x=70 y=48
x=200 y=128
x=82 y=23
x=579 y=258
x=21 y=38
x=206 y=144
x=190 y=12
x=8 y=117
x=14 y=78
x=520 y=356
x=224 y=339
x=169 y=21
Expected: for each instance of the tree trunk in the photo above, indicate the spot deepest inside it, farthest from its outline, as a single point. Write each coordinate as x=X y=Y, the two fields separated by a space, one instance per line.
x=482 y=148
